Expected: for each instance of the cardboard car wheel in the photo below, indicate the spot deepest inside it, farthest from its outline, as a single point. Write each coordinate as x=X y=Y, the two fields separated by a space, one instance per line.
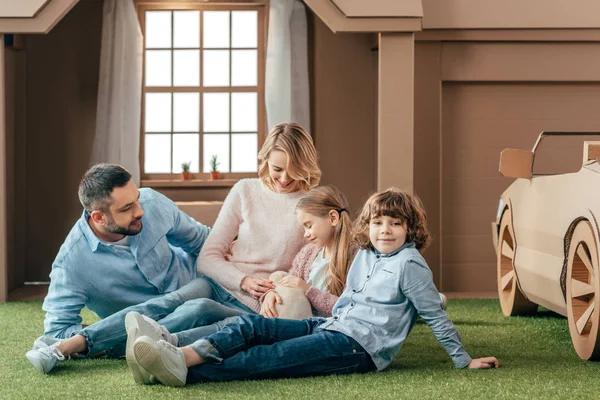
x=582 y=292
x=512 y=301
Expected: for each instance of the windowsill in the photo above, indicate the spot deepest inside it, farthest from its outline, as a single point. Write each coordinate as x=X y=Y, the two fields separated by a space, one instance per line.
x=192 y=183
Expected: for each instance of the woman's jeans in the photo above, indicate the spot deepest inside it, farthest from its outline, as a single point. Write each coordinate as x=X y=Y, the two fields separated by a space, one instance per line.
x=256 y=348
x=198 y=304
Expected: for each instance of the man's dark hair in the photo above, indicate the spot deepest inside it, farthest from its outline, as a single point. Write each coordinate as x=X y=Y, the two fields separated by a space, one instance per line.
x=98 y=183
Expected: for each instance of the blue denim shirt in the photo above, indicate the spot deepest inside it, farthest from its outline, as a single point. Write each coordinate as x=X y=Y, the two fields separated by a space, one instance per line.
x=384 y=295
x=105 y=278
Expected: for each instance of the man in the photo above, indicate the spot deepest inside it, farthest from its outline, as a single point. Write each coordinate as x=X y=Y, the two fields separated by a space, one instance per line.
x=129 y=246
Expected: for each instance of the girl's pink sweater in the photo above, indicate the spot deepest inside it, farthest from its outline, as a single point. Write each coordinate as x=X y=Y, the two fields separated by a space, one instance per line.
x=268 y=237
x=321 y=300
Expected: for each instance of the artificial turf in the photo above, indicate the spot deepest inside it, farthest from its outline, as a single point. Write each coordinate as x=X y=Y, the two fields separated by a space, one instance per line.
x=536 y=355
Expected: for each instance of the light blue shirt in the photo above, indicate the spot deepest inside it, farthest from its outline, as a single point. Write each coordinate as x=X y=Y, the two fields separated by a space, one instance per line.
x=107 y=278
x=384 y=295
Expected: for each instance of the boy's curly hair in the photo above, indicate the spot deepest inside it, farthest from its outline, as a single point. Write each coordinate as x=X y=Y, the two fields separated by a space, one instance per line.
x=394 y=203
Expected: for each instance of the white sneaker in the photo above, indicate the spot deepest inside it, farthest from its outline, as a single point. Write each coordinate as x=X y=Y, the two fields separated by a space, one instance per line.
x=444 y=301
x=138 y=325
x=44 y=341
x=45 y=357
x=161 y=359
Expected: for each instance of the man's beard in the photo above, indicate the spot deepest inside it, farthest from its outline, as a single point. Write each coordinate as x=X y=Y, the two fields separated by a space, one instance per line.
x=120 y=230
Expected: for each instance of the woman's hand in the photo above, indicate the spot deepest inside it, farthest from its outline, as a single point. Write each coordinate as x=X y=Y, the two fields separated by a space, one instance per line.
x=255 y=287
x=294 y=282
x=484 y=363
x=267 y=308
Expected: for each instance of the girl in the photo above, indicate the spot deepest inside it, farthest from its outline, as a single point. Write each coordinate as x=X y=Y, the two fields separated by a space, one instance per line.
x=388 y=286
x=320 y=268
x=256 y=211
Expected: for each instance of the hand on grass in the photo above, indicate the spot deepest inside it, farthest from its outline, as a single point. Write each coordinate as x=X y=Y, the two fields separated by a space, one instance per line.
x=484 y=363
x=267 y=308
x=255 y=287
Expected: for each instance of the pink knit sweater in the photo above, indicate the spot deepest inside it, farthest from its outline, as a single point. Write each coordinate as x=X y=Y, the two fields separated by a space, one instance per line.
x=321 y=300
x=268 y=237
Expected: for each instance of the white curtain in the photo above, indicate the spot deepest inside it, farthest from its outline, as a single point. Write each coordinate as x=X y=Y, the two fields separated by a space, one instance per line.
x=117 y=137
x=286 y=83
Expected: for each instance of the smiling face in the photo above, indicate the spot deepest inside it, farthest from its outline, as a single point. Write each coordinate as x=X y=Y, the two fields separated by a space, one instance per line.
x=123 y=217
x=125 y=213
x=318 y=230
x=279 y=173
x=387 y=234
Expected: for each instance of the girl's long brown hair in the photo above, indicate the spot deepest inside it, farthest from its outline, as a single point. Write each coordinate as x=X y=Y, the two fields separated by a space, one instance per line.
x=394 y=203
x=319 y=201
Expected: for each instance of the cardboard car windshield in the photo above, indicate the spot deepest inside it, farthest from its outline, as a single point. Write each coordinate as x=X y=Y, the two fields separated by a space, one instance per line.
x=547 y=239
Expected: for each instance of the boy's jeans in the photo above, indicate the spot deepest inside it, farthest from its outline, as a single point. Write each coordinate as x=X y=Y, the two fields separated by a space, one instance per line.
x=201 y=302
x=257 y=347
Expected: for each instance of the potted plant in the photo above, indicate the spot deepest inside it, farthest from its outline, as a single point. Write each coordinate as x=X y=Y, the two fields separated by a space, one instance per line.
x=214 y=173
x=185 y=168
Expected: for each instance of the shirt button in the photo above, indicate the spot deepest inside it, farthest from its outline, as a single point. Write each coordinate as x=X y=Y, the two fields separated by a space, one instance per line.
x=368 y=276
x=377 y=257
x=335 y=317
x=354 y=351
x=353 y=290
x=351 y=304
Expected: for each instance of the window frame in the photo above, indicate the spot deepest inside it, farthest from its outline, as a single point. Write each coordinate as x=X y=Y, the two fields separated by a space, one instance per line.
x=200 y=177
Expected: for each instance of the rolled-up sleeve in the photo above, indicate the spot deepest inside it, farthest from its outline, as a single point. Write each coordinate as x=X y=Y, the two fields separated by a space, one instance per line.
x=63 y=304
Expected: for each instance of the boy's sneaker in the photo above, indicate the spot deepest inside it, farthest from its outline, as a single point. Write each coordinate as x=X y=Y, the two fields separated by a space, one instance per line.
x=161 y=359
x=45 y=357
x=138 y=325
x=44 y=341
x=444 y=301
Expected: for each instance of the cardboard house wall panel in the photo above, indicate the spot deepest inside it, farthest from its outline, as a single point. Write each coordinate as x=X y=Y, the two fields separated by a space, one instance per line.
x=465 y=277
x=468 y=249
x=469 y=14
x=62 y=84
x=529 y=62
x=473 y=220
x=344 y=109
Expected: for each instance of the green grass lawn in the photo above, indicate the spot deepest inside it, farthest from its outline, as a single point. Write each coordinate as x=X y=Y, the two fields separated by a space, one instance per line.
x=538 y=361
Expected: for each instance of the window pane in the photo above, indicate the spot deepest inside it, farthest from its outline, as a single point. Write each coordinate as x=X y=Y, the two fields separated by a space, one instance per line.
x=244 y=153
x=186 y=112
x=158 y=29
x=185 y=148
x=219 y=145
x=158 y=112
x=215 y=111
x=243 y=67
x=244 y=114
x=158 y=68
x=187 y=68
x=216 y=29
x=157 y=153
x=216 y=68
x=244 y=29
x=186 y=29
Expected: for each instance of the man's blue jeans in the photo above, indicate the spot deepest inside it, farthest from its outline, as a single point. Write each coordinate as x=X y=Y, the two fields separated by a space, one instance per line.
x=200 y=303
x=260 y=348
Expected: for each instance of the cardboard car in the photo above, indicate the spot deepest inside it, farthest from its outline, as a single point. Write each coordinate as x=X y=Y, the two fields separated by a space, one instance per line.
x=546 y=236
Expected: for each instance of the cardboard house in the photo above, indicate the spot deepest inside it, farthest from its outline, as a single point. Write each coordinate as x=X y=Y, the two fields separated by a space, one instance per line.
x=419 y=94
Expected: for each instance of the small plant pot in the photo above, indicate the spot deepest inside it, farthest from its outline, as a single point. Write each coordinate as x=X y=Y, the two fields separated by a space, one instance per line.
x=214 y=175
x=186 y=175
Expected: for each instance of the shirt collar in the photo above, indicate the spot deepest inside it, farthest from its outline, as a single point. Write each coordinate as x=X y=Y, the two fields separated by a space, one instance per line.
x=406 y=245
x=91 y=237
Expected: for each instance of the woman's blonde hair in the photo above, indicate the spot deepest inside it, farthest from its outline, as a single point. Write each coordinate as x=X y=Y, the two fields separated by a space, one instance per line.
x=394 y=203
x=297 y=144
x=319 y=201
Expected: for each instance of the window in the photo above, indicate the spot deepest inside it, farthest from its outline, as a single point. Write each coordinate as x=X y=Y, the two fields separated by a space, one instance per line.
x=203 y=89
